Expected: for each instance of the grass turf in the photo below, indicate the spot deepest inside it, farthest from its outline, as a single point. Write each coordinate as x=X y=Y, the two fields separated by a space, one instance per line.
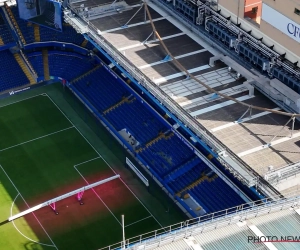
x=39 y=148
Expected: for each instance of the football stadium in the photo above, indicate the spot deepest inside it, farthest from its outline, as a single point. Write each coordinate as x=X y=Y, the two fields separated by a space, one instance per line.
x=149 y=124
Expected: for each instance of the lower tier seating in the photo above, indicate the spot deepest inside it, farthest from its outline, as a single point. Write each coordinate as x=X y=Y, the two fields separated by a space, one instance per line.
x=216 y=195
x=11 y=75
x=101 y=83
x=167 y=154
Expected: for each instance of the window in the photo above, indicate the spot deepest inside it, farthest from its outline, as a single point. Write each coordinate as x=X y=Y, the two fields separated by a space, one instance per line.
x=254 y=10
x=297 y=11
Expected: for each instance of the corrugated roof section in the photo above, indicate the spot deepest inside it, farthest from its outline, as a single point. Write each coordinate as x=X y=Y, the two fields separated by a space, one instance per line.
x=230 y=237
x=281 y=224
x=178 y=245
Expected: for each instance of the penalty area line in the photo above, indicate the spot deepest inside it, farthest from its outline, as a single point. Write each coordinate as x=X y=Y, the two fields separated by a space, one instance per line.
x=150 y=216
x=96 y=192
x=28 y=206
x=21 y=100
x=53 y=133
x=87 y=161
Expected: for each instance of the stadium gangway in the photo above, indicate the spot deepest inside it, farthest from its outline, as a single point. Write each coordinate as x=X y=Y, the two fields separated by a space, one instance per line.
x=79 y=192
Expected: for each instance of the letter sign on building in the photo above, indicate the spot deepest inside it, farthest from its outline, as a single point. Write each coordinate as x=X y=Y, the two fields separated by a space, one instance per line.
x=281 y=22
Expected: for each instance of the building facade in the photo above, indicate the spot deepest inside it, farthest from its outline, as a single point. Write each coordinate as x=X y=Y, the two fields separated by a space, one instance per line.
x=276 y=21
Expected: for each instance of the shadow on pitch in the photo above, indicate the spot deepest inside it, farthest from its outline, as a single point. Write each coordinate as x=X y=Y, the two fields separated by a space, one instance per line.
x=4 y=222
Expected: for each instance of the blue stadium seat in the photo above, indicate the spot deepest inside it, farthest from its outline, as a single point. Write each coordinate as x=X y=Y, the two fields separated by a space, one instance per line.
x=25 y=28
x=216 y=195
x=66 y=65
x=69 y=34
x=5 y=33
x=11 y=75
x=167 y=154
x=101 y=83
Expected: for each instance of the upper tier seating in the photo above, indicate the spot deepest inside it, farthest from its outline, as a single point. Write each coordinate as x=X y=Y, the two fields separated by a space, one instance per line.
x=5 y=33
x=67 y=65
x=26 y=29
x=69 y=34
x=11 y=75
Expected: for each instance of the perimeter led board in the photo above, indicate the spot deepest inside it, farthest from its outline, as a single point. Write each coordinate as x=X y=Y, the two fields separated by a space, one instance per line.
x=47 y=13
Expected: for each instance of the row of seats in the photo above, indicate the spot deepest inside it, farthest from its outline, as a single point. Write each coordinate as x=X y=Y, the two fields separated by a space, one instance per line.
x=182 y=169
x=104 y=92
x=216 y=195
x=11 y=75
x=183 y=181
x=167 y=154
x=5 y=33
x=101 y=83
x=137 y=119
x=169 y=157
x=27 y=31
x=66 y=65
x=69 y=34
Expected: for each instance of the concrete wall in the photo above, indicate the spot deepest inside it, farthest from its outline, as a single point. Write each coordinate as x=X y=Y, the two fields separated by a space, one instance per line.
x=271 y=36
x=287 y=8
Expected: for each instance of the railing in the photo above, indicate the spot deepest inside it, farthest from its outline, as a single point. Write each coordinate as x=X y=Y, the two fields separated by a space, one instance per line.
x=205 y=223
x=28 y=64
x=186 y=119
x=280 y=174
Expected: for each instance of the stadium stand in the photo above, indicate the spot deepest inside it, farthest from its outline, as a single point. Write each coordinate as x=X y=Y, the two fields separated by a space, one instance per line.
x=100 y=83
x=66 y=65
x=215 y=194
x=5 y=34
x=167 y=156
x=142 y=125
x=8 y=69
x=19 y=25
x=165 y=153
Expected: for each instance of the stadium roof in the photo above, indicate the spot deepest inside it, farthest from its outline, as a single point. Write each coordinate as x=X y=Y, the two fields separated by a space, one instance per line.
x=249 y=229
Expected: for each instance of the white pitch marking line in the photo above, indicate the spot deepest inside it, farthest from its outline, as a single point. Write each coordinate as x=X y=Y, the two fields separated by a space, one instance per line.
x=104 y=160
x=139 y=221
x=242 y=121
x=97 y=195
x=28 y=206
x=21 y=100
x=87 y=161
x=36 y=139
x=11 y=213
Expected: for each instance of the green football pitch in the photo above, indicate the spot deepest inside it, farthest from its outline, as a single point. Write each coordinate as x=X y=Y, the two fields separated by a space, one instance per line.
x=43 y=154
